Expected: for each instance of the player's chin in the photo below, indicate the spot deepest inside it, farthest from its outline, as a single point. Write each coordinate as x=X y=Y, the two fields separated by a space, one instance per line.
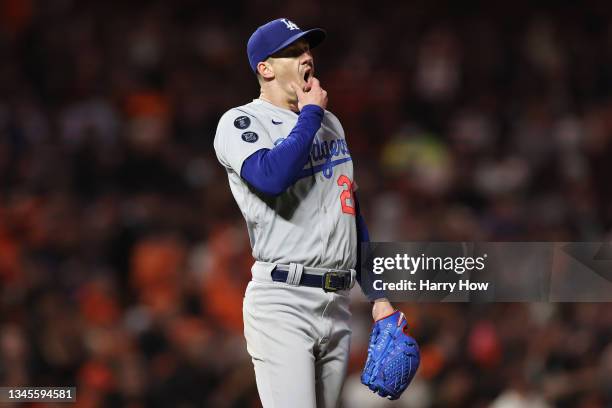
x=306 y=86
x=302 y=84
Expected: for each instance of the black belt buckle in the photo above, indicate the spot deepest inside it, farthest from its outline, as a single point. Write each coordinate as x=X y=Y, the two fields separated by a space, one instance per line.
x=327 y=281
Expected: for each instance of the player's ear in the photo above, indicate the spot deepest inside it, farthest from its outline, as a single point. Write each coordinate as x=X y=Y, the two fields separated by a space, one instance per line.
x=265 y=69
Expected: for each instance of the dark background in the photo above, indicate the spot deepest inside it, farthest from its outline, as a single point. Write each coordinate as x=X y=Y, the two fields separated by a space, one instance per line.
x=123 y=257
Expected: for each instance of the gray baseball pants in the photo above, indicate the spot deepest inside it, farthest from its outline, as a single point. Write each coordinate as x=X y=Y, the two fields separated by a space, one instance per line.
x=298 y=338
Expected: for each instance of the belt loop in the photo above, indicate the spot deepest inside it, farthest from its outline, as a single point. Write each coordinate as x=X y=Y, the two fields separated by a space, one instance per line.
x=294 y=274
x=353 y=278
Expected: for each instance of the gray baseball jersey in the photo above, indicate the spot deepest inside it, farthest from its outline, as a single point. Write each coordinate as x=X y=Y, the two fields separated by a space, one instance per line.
x=313 y=222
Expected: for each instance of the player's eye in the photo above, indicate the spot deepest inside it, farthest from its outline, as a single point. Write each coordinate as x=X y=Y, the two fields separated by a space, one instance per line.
x=292 y=51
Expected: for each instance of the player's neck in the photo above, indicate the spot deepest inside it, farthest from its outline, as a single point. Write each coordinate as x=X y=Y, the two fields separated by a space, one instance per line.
x=278 y=99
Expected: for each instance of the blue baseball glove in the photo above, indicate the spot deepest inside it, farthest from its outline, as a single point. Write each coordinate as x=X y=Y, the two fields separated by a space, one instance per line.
x=393 y=357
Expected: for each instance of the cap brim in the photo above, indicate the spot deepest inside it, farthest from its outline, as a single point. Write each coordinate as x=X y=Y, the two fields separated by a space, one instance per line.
x=314 y=36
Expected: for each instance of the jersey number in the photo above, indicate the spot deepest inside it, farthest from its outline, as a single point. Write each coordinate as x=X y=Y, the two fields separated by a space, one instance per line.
x=347 y=201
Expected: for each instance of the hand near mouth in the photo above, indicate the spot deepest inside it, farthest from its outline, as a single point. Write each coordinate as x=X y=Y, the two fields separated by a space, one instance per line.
x=315 y=95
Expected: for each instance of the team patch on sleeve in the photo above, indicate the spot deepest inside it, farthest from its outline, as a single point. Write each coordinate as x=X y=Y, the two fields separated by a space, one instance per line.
x=250 y=137
x=242 y=122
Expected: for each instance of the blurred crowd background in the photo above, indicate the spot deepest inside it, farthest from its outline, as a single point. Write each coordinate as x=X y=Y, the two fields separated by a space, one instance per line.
x=123 y=257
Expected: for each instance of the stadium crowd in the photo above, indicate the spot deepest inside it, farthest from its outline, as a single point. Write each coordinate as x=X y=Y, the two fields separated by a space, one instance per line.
x=123 y=257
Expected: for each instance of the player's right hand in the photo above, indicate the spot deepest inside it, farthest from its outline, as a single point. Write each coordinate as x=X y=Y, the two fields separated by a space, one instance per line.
x=314 y=94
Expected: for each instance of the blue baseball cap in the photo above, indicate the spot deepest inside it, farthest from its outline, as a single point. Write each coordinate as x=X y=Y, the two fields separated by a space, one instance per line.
x=276 y=35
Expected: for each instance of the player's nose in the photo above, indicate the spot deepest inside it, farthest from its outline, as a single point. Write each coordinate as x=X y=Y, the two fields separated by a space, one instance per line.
x=307 y=59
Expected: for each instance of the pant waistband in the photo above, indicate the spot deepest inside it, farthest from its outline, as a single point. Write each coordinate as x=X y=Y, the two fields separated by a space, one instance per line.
x=328 y=279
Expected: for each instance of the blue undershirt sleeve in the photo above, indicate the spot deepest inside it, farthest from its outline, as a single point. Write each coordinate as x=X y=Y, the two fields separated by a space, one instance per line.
x=363 y=236
x=272 y=171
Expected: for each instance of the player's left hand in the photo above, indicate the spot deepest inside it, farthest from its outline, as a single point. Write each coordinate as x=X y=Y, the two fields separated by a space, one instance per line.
x=382 y=308
x=393 y=357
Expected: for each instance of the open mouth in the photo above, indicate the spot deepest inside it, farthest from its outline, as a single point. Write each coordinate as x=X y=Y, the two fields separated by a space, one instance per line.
x=307 y=74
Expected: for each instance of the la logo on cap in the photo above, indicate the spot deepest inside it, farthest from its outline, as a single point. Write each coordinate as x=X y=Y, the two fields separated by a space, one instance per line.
x=290 y=24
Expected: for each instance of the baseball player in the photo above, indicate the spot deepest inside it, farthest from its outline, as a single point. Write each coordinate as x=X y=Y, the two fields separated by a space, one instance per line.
x=291 y=173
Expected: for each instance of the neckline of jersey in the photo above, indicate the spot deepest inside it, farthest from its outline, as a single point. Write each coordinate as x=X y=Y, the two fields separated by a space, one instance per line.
x=259 y=100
